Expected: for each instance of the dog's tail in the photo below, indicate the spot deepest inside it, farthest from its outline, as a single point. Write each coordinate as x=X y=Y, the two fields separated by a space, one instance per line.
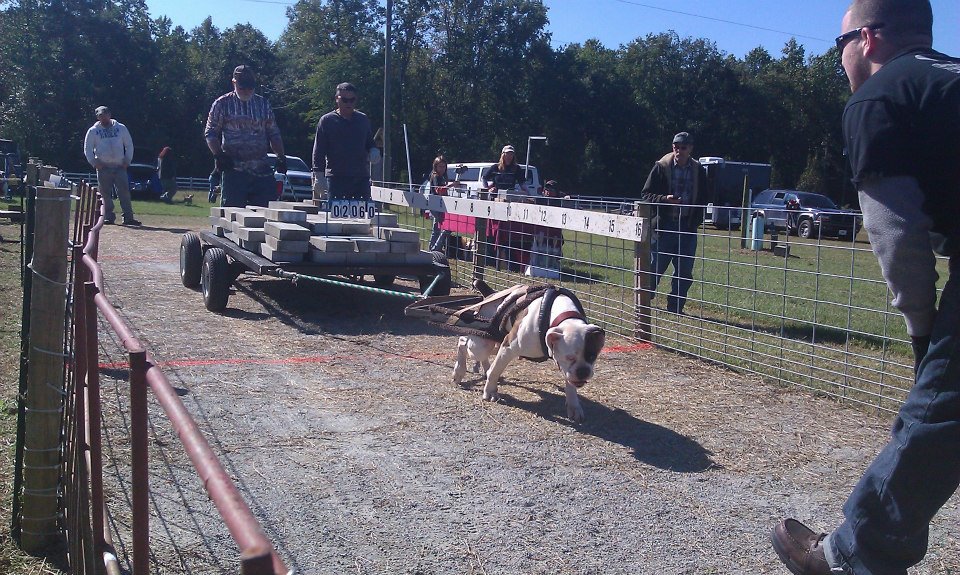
x=482 y=287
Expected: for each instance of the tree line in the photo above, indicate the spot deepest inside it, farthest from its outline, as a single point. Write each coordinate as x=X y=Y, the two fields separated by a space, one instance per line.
x=467 y=77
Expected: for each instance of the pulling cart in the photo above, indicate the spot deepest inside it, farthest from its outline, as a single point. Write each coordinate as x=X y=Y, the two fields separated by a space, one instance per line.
x=213 y=263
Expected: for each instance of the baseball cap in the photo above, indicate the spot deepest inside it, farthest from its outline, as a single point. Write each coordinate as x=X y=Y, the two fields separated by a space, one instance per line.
x=244 y=76
x=683 y=138
x=507 y=148
x=101 y=110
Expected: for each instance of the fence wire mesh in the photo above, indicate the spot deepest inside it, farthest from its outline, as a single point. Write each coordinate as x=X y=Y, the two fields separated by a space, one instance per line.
x=809 y=312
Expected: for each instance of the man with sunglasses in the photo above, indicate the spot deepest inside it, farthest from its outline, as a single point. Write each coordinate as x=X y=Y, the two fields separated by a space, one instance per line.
x=343 y=149
x=240 y=127
x=677 y=186
x=902 y=131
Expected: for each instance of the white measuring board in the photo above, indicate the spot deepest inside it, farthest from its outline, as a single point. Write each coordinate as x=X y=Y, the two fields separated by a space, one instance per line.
x=620 y=226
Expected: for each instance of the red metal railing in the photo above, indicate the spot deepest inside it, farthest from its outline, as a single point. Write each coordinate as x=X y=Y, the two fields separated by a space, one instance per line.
x=89 y=537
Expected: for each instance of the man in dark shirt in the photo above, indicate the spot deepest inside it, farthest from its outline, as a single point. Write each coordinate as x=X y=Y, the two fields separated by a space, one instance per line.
x=677 y=187
x=902 y=130
x=344 y=148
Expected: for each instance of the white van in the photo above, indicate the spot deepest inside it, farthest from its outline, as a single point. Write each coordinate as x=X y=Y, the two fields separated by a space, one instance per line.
x=471 y=176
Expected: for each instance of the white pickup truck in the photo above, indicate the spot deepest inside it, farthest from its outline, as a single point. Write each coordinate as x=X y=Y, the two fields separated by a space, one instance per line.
x=471 y=176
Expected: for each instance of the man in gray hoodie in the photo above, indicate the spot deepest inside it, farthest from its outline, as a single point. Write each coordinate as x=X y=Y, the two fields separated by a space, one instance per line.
x=109 y=149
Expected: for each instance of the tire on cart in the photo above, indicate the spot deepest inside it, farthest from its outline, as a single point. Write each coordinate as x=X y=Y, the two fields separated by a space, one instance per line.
x=215 y=279
x=444 y=281
x=384 y=280
x=191 y=260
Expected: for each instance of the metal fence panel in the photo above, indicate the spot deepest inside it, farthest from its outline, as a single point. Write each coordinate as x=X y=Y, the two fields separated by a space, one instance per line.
x=813 y=313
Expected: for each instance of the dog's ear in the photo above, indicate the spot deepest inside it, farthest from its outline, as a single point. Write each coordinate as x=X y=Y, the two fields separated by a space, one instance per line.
x=554 y=335
x=595 y=339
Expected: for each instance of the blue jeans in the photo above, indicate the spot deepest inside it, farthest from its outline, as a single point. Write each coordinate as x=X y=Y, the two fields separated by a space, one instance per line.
x=679 y=248
x=241 y=189
x=889 y=512
x=348 y=187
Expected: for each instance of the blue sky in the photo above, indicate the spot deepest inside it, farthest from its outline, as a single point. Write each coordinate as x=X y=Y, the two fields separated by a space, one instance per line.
x=737 y=26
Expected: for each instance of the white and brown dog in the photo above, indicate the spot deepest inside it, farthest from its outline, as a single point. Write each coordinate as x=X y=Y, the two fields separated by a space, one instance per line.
x=539 y=324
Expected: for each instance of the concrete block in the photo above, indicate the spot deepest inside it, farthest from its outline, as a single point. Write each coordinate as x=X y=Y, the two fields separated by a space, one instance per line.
x=252 y=246
x=216 y=211
x=385 y=220
x=308 y=207
x=404 y=247
x=258 y=209
x=236 y=214
x=399 y=235
x=355 y=227
x=280 y=205
x=249 y=219
x=321 y=257
x=286 y=231
x=219 y=231
x=366 y=244
x=781 y=250
x=250 y=234
x=280 y=257
x=328 y=244
x=215 y=220
x=320 y=227
x=232 y=236
x=292 y=246
x=288 y=216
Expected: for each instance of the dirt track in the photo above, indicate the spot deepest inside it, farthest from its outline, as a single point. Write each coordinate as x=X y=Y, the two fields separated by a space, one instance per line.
x=337 y=418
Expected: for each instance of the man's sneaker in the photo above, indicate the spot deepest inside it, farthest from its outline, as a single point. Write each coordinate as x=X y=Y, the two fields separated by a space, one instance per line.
x=107 y=220
x=131 y=222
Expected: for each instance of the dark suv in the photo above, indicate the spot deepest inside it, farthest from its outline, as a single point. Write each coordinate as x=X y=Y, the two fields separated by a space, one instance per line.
x=814 y=215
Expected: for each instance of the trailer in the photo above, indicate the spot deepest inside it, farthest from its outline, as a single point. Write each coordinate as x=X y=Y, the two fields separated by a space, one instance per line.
x=725 y=183
x=213 y=263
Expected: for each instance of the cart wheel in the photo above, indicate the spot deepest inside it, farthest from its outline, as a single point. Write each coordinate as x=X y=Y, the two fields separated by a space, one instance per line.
x=384 y=280
x=215 y=279
x=191 y=260
x=442 y=286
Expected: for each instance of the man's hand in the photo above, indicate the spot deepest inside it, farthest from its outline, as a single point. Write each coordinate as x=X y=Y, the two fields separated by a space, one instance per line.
x=672 y=200
x=222 y=162
x=281 y=166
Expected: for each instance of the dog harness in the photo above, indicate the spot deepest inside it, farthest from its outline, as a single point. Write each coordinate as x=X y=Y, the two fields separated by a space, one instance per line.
x=512 y=302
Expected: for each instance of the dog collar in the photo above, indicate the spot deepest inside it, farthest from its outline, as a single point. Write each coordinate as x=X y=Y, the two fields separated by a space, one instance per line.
x=565 y=316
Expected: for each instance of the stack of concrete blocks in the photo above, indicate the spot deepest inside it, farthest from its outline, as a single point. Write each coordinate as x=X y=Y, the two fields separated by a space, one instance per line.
x=291 y=232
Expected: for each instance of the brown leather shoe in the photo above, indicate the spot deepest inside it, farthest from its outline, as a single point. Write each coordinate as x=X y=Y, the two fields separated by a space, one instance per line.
x=800 y=548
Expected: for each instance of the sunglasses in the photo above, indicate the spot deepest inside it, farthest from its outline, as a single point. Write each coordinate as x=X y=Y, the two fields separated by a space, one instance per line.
x=842 y=39
x=348 y=100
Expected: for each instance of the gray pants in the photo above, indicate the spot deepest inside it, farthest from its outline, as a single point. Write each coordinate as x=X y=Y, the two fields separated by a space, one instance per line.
x=107 y=178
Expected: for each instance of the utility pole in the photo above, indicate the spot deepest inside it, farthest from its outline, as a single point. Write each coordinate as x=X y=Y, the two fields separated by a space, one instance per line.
x=387 y=72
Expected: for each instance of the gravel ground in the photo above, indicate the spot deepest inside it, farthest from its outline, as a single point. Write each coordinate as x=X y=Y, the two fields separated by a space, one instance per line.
x=337 y=419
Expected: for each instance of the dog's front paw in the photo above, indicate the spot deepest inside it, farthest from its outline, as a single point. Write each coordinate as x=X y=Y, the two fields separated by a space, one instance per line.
x=490 y=393
x=575 y=412
x=458 y=372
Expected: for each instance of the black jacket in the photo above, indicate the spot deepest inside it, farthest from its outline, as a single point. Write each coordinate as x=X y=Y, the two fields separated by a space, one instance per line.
x=657 y=188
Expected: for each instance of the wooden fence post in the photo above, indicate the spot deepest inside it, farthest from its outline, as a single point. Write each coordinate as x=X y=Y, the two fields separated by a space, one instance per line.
x=43 y=401
x=641 y=275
